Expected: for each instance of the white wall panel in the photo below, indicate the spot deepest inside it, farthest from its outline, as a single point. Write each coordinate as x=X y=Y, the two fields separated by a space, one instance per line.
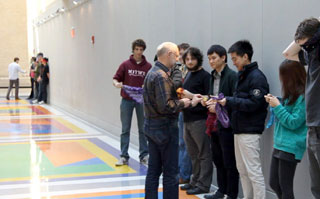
x=82 y=73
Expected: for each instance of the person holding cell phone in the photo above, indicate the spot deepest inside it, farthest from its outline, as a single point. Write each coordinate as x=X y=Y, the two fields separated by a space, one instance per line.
x=290 y=130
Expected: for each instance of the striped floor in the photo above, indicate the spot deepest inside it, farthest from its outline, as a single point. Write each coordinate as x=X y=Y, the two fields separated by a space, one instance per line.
x=46 y=153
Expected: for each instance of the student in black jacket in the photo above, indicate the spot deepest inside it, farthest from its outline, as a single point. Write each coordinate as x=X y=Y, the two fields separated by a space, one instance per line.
x=223 y=80
x=249 y=110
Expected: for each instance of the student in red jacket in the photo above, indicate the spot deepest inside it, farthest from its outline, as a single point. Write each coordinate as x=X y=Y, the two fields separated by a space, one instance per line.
x=132 y=73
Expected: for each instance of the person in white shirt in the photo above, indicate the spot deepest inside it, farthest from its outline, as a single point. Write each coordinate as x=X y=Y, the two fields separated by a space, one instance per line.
x=14 y=70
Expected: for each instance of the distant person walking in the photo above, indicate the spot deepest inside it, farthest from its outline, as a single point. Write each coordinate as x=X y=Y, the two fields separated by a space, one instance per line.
x=14 y=69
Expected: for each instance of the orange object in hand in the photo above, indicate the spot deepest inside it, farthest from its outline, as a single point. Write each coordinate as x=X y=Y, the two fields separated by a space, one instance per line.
x=180 y=92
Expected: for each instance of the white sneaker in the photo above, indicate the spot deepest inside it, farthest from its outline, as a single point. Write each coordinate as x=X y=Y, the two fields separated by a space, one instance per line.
x=145 y=160
x=41 y=102
x=34 y=101
x=122 y=161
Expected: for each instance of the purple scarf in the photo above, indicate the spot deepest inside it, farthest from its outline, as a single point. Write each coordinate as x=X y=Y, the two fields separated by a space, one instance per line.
x=136 y=93
x=221 y=112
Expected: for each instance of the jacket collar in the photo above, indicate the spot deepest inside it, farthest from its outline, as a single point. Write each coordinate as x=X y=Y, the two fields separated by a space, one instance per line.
x=225 y=69
x=248 y=68
x=162 y=67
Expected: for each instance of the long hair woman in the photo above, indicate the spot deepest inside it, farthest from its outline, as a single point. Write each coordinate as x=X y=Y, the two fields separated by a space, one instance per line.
x=290 y=130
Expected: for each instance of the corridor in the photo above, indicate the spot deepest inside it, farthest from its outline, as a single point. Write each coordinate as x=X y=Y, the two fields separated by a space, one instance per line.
x=46 y=153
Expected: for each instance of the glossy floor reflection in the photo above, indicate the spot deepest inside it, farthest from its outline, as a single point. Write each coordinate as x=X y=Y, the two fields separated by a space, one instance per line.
x=48 y=154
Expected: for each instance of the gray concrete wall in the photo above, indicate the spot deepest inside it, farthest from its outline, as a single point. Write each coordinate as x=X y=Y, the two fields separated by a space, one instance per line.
x=81 y=73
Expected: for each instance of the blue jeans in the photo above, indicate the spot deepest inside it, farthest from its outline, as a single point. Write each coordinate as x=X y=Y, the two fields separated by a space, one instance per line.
x=126 y=111
x=163 y=148
x=185 y=166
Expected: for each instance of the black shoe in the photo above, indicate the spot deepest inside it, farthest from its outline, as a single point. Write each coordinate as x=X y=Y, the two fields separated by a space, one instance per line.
x=196 y=191
x=186 y=187
x=217 y=195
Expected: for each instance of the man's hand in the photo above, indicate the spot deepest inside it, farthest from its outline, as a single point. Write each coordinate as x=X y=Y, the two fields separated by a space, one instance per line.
x=186 y=102
x=223 y=102
x=187 y=94
x=196 y=99
x=212 y=107
x=204 y=100
x=211 y=101
x=117 y=84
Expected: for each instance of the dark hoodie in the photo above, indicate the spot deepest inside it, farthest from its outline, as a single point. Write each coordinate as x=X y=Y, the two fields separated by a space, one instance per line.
x=132 y=74
x=311 y=56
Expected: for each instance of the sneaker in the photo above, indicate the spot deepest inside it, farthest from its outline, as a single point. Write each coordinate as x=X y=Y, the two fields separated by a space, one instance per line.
x=122 y=161
x=144 y=160
x=196 y=191
x=186 y=187
x=216 y=195
x=41 y=102
x=34 y=101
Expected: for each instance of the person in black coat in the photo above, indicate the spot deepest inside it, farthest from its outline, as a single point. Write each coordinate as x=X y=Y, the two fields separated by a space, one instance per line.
x=249 y=111
x=223 y=80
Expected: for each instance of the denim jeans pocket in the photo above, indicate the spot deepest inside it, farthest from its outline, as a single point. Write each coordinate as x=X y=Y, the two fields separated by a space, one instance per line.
x=158 y=133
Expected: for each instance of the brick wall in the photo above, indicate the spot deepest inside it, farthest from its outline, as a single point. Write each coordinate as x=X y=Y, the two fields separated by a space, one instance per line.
x=13 y=34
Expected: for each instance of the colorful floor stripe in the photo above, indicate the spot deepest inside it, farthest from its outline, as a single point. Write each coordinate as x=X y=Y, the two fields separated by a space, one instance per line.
x=132 y=194
x=45 y=153
x=37 y=126
x=23 y=110
x=14 y=102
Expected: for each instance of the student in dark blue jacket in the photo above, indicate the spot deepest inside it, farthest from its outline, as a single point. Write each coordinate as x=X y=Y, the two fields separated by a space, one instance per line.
x=249 y=110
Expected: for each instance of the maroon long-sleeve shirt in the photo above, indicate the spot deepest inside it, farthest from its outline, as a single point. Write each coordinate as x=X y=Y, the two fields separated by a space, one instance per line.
x=132 y=74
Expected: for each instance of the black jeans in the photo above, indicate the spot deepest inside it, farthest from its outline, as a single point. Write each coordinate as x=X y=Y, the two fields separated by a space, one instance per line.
x=32 y=88
x=36 y=90
x=222 y=146
x=281 y=177
x=163 y=157
x=43 y=92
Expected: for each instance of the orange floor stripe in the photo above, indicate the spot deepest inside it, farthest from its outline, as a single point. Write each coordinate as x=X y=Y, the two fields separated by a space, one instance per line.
x=66 y=153
x=182 y=194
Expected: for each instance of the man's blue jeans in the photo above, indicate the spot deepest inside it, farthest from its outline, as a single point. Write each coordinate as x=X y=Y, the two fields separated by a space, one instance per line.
x=126 y=111
x=185 y=166
x=163 y=158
